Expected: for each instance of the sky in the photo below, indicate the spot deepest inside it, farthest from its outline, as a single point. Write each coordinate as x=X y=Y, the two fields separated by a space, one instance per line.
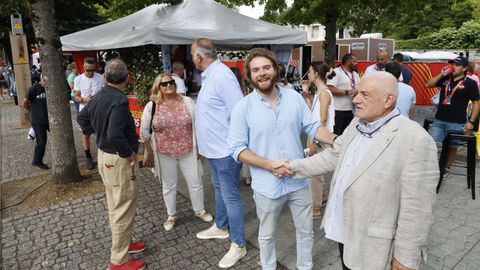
x=255 y=12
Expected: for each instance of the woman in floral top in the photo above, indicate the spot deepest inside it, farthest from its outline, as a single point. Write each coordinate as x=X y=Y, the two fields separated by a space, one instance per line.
x=171 y=144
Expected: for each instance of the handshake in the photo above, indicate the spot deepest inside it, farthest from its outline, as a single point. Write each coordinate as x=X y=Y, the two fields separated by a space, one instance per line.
x=281 y=168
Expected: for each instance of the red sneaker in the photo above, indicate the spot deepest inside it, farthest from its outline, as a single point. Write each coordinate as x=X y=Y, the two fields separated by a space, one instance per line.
x=136 y=247
x=130 y=265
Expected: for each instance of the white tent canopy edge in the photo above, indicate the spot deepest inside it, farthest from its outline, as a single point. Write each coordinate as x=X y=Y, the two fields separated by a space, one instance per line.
x=181 y=24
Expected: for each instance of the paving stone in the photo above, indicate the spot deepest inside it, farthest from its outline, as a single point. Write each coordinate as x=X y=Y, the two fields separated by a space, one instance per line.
x=76 y=235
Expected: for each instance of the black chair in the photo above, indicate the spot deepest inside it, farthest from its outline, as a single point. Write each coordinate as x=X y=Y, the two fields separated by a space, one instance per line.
x=471 y=142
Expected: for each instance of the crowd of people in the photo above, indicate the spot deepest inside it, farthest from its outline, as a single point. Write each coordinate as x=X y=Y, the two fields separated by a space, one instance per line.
x=385 y=169
x=7 y=84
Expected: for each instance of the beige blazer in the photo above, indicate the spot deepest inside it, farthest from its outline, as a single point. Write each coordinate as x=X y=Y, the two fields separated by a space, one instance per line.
x=145 y=135
x=387 y=205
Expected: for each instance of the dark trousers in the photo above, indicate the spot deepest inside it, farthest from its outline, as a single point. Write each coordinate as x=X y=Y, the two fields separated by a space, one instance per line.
x=41 y=139
x=340 y=247
x=342 y=120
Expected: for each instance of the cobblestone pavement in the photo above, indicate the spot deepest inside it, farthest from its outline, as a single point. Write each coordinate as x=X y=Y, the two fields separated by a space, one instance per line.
x=454 y=240
x=75 y=235
x=17 y=151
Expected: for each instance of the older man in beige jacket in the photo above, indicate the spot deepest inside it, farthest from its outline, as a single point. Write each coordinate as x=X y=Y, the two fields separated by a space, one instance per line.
x=383 y=188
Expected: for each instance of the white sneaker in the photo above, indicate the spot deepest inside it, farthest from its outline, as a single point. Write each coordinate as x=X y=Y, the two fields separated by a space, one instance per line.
x=233 y=256
x=213 y=233
x=204 y=216
x=169 y=224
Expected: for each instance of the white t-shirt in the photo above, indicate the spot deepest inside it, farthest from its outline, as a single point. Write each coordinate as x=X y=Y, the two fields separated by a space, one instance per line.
x=344 y=80
x=316 y=108
x=88 y=87
x=181 y=89
x=373 y=68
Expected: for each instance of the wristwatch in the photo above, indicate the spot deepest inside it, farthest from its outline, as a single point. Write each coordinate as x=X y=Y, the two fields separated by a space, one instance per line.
x=471 y=122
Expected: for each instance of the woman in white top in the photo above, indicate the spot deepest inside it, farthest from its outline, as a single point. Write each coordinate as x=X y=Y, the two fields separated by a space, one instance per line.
x=169 y=140
x=323 y=111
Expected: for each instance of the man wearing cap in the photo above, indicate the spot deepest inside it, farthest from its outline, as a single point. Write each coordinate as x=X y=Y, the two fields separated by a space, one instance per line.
x=456 y=90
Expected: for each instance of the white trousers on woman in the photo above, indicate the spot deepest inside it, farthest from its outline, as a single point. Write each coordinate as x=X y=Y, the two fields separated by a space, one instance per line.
x=169 y=178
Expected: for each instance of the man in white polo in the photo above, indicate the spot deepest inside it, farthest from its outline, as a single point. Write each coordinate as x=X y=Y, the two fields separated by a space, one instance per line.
x=86 y=86
x=177 y=73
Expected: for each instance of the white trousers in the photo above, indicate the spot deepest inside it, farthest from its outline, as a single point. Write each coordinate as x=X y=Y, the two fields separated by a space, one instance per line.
x=169 y=178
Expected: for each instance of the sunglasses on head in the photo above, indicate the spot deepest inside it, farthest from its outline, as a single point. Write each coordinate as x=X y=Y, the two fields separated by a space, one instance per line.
x=165 y=84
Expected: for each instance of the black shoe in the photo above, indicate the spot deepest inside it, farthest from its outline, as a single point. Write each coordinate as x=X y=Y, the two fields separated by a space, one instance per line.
x=41 y=166
x=446 y=174
x=89 y=164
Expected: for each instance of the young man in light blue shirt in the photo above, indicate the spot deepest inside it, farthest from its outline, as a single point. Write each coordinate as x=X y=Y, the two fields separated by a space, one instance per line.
x=266 y=125
x=219 y=93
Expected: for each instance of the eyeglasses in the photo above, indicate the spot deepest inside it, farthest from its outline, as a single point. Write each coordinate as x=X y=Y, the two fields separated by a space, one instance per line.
x=90 y=70
x=165 y=84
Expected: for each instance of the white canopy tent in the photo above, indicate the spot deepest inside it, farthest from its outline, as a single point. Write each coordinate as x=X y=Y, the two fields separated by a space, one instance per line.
x=181 y=24
x=435 y=56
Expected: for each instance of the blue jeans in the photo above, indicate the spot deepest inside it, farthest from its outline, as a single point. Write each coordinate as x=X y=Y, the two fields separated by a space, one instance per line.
x=268 y=211
x=228 y=205
x=439 y=130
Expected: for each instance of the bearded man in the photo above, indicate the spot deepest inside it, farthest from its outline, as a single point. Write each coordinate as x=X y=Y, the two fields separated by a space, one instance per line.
x=266 y=125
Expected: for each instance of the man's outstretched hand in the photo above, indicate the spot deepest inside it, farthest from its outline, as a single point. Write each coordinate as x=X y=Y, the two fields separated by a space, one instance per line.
x=396 y=265
x=281 y=168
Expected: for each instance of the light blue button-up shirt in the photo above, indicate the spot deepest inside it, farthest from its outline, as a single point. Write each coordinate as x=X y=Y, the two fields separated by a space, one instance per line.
x=219 y=93
x=272 y=134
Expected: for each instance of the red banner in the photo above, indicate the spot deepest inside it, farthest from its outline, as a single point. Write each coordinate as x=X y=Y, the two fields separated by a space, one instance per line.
x=79 y=56
x=239 y=64
x=421 y=73
x=136 y=109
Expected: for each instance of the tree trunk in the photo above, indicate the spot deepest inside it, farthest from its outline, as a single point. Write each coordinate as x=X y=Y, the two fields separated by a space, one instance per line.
x=331 y=15
x=64 y=166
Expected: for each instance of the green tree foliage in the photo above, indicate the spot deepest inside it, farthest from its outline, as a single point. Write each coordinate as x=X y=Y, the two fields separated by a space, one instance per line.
x=476 y=10
x=409 y=19
x=361 y=16
x=76 y=15
x=120 y=8
x=465 y=37
x=307 y=12
x=397 y=19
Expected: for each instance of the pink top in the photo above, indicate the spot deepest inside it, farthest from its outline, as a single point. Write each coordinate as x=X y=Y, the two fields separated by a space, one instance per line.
x=173 y=130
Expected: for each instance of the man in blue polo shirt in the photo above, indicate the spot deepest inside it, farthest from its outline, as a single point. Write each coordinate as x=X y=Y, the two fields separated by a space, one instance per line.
x=266 y=125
